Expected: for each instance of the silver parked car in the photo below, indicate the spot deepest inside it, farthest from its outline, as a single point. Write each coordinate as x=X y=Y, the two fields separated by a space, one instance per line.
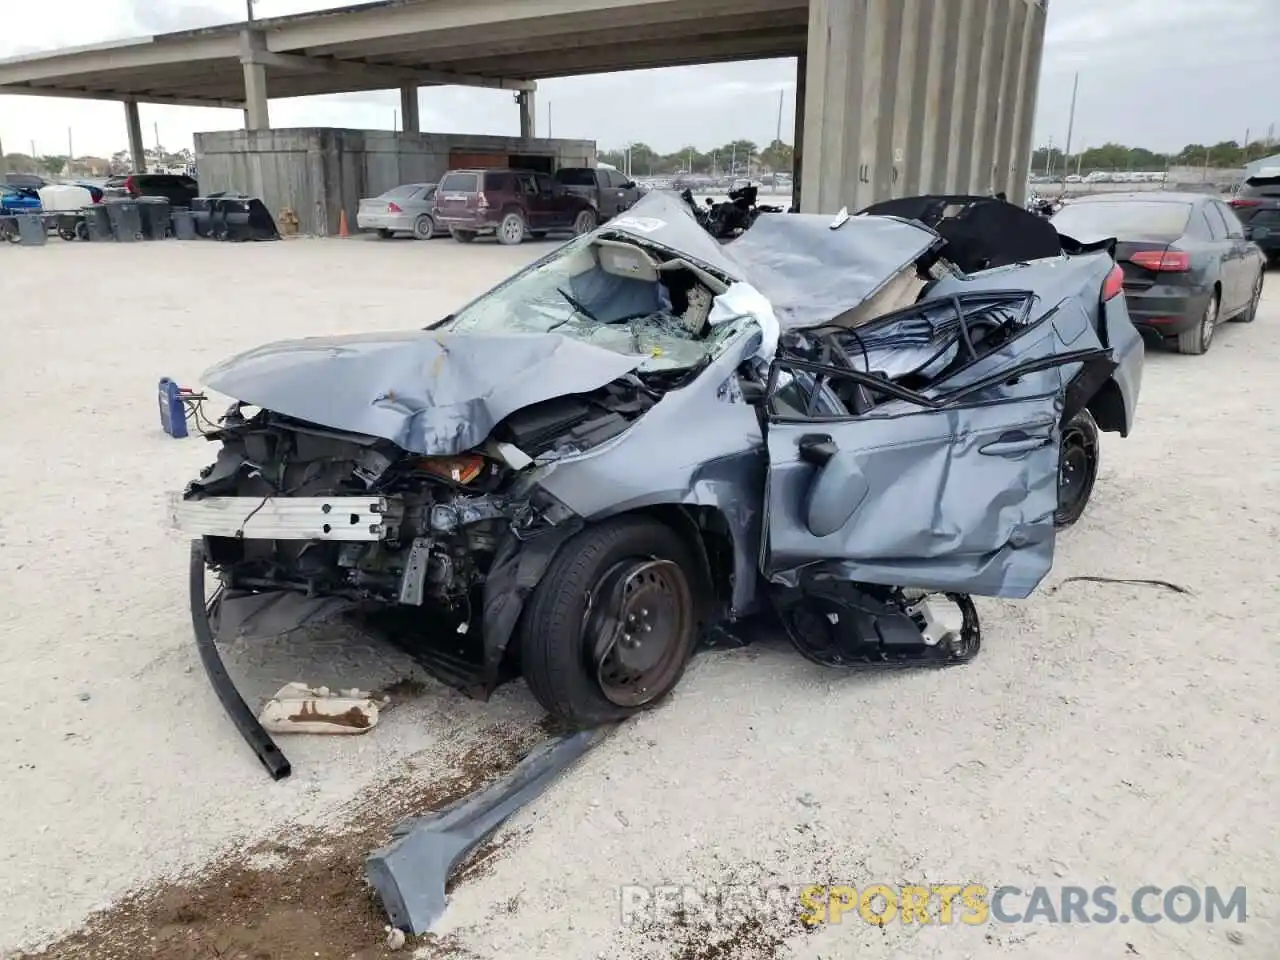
x=402 y=209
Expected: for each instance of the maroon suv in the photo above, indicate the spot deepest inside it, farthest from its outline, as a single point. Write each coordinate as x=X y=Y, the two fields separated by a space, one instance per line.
x=510 y=204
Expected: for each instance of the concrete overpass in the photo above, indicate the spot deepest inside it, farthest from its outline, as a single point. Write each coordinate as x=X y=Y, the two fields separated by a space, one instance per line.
x=893 y=96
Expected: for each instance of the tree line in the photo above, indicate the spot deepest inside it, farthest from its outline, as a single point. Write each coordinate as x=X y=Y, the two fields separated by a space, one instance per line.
x=736 y=157
x=1116 y=157
x=57 y=165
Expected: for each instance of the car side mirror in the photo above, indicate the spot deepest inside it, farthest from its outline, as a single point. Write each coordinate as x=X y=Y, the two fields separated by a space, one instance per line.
x=629 y=185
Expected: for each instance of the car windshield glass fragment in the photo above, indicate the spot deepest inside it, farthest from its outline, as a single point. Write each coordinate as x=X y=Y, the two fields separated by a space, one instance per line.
x=1121 y=220
x=661 y=317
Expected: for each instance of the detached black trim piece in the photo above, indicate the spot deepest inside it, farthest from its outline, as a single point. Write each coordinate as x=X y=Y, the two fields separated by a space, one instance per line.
x=253 y=732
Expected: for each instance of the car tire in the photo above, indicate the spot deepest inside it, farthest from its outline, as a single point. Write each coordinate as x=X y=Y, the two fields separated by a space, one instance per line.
x=1251 y=312
x=1078 y=460
x=1199 y=338
x=463 y=236
x=385 y=234
x=605 y=576
x=585 y=222
x=424 y=228
x=512 y=229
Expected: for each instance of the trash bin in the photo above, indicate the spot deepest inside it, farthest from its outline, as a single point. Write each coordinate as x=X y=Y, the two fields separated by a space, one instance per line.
x=126 y=219
x=97 y=222
x=183 y=223
x=155 y=217
x=31 y=230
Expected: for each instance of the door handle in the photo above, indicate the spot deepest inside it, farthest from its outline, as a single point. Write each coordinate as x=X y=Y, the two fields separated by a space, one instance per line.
x=817 y=448
x=1012 y=444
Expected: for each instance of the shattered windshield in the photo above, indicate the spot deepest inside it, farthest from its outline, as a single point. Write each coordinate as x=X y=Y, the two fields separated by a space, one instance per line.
x=611 y=294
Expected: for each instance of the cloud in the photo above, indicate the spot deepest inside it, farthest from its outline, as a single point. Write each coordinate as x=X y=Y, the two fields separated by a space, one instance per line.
x=1159 y=73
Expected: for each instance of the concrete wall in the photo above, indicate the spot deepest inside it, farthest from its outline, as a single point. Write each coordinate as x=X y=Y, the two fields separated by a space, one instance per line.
x=318 y=172
x=918 y=96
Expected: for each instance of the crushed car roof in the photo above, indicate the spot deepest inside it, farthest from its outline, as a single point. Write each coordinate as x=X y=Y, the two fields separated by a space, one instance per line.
x=810 y=267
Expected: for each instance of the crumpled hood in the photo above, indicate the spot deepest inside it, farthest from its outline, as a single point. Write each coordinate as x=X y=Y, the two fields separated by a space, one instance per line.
x=811 y=267
x=430 y=393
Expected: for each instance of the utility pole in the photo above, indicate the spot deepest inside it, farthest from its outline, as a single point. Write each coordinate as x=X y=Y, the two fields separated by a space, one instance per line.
x=248 y=9
x=1071 y=121
x=1048 y=157
x=1246 y=144
x=777 y=138
x=548 y=119
x=71 y=154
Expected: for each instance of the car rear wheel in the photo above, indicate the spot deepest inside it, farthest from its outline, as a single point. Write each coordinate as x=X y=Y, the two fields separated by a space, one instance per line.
x=1199 y=338
x=384 y=233
x=512 y=229
x=1077 y=468
x=584 y=222
x=424 y=227
x=1251 y=312
x=463 y=236
x=611 y=626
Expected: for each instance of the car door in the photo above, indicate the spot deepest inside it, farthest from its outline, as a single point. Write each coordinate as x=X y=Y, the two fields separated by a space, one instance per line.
x=948 y=487
x=622 y=192
x=1229 y=257
x=1244 y=264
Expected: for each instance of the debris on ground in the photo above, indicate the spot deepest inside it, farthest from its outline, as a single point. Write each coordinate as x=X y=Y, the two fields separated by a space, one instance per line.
x=411 y=873
x=1176 y=588
x=298 y=708
x=301 y=894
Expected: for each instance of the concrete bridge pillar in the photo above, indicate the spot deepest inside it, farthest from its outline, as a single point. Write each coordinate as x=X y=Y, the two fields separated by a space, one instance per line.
x=409 y=109
x=133 y=124
x=256 y=115
x=528 y=101
x=918 y=96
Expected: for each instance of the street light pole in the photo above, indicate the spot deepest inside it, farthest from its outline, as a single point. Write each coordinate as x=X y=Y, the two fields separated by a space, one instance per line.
x=248 y=8
x=1071 y=122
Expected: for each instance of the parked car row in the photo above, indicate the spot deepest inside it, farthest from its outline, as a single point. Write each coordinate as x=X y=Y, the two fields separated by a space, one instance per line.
x=508 y=204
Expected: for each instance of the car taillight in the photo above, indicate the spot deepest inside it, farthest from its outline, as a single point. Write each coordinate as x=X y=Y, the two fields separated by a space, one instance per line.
x=394 y=208
x=1113 y=286
x=1239 y=202
x=131 y=187
x=482 y=203
x=1163 y=261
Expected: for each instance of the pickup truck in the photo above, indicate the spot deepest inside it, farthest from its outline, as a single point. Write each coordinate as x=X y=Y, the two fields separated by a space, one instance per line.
x=610 y=192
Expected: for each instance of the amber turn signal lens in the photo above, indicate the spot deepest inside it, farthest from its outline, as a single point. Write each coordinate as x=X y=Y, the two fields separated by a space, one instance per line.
x=462 y=469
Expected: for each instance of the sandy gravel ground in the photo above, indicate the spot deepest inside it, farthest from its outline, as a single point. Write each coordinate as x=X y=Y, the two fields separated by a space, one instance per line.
x=1108 y=734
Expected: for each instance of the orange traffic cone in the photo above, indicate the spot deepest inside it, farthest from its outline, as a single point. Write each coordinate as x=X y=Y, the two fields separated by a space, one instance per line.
x=342 y=224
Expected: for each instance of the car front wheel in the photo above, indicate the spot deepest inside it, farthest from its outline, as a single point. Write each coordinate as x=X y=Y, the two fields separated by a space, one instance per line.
x=584 y=222
x=1077 y=468
x=610 y=627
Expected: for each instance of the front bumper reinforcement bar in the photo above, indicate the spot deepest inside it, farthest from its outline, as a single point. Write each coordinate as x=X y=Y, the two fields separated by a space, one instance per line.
x=253 y=732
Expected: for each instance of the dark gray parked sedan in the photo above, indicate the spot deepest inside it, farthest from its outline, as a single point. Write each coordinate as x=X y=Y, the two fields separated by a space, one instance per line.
x=1187 y=263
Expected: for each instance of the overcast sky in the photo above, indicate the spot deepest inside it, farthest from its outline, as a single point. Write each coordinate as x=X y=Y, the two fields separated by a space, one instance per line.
x=1155 y=73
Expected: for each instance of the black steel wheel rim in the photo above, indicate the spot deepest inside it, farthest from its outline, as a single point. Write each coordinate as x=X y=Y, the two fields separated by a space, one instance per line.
x=638 y=621
x=1077 y=465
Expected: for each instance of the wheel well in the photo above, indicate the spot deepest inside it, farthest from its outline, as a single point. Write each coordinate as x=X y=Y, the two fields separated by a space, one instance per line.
x=707 y=534
x=1107 y=407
